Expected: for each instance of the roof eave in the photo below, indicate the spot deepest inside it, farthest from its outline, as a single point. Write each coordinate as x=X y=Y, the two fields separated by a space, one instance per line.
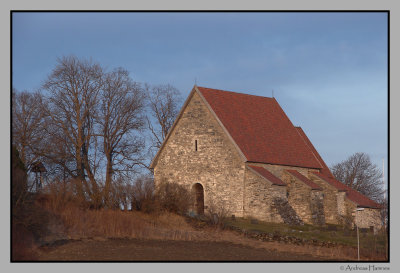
x=312 y=188
x=288 y=165
x=367 y=207
x=259 y=175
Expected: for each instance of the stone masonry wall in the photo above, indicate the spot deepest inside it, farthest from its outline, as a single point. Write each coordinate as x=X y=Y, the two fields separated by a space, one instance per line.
x=299 y=197
x=279 y=170
x=259 y=198
x=309 y=205
x=216 y=164
x=330 y=201
x=348 y=218
x=369 y=217
x=317 y=207
x=341 y=195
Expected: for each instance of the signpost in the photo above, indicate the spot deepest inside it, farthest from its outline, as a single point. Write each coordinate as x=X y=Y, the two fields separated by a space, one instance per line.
x=358 y=234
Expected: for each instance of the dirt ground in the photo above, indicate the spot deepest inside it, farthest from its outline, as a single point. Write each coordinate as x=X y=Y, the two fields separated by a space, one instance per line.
x=164 y=250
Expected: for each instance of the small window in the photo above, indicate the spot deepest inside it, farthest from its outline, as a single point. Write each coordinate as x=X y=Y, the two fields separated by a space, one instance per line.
x=195 y=145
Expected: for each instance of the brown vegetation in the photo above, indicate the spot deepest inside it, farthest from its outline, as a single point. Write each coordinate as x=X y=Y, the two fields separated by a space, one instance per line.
x=61 y=216
x=112 y=223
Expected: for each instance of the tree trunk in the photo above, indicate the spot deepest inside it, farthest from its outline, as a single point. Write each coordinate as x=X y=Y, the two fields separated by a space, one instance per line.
x=109 y=172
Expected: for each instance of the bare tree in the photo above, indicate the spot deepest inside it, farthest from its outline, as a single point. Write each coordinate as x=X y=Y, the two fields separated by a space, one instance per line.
x=164 y=103
x=142 y=193
x=74 y=87
x=28 y=120
x=120 y=117
x=359 y=173
x=87 y=128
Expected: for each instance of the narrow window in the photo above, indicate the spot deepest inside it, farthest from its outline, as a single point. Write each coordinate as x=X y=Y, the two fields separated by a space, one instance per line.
x=195 y=145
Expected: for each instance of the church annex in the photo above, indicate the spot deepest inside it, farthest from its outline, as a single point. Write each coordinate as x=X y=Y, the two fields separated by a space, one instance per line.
x=241 y=153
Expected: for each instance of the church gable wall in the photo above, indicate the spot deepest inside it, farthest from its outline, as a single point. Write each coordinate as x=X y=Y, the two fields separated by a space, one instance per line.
x=216 y=163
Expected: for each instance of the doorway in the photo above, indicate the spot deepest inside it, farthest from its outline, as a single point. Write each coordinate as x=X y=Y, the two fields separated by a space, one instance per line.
x=198 y=191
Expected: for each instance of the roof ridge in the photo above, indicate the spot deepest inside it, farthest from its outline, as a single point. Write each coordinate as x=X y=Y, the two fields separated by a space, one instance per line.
x=235 y=92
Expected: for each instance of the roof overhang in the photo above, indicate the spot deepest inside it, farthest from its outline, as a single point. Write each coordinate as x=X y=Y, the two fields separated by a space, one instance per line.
x=263 y=177
x=304 y=180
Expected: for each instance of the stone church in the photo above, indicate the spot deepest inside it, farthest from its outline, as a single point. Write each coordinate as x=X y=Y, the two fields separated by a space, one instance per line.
x=242 y=154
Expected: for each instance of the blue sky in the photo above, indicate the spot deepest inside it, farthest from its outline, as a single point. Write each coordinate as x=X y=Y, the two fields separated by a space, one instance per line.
x=328 y=70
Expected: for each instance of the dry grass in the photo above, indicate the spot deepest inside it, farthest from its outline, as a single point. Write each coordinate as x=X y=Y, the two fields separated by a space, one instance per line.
x=132 y=224
x=81 y=223
x=103 y=224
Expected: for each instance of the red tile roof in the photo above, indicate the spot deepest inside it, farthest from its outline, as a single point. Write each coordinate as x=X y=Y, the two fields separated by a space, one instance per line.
x=265 y=134
x=304 y=179
x=338 y=185
x=267 y=175
x=325 y=170
x=353 y=195
x=326 y=174
x=260 y=128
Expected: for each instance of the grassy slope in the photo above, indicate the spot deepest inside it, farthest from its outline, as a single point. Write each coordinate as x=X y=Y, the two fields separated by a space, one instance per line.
x=308 y=232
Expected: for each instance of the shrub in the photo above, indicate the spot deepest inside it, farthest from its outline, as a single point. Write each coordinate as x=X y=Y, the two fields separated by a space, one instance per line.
x=142 y=193
x=217 y=213
x=172 y=197
x=58 y=195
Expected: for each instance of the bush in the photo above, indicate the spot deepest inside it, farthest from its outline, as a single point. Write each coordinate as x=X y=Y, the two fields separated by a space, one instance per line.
x=142 y=193
x=217 y=213
x=58 y=195
x=172 y=197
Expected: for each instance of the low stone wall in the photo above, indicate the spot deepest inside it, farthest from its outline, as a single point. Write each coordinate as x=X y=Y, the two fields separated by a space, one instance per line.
x=277 y=237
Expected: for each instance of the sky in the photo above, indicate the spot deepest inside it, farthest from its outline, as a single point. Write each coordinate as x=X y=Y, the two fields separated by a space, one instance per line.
x=328 y=70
